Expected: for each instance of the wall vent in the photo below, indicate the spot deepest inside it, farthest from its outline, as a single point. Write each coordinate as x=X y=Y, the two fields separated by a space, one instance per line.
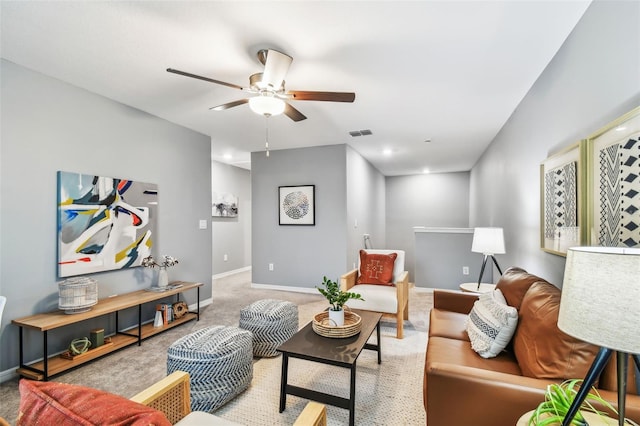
x=356 y=133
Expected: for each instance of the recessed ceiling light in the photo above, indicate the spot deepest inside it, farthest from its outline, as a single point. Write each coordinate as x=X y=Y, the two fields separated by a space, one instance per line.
x=228 y=157
x=387 y=151
x=425 y=171
x=620 y=128
x=427 y=140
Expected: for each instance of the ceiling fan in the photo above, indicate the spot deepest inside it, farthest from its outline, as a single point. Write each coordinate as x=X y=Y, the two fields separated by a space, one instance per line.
x=268 y=86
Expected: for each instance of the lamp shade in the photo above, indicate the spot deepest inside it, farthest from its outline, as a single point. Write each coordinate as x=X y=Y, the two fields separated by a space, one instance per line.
x=600 y=300
x=266 y=105
x=488 y=241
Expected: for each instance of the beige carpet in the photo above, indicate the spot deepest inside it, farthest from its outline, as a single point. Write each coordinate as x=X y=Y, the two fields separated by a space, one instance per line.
x=389 y=394
x=386 y=394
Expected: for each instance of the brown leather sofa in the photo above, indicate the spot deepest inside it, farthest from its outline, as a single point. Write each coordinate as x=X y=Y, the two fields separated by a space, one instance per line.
x=461 y=388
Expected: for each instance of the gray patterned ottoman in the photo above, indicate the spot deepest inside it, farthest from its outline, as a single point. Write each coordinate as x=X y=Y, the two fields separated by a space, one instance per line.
x=272 y=323
x=219 y=361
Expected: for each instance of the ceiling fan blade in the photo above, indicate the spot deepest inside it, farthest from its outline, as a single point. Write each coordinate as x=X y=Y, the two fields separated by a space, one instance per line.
x=275 y=68
x=293 y=113
x=302 y=95
x=210 y=80
x=230 y=105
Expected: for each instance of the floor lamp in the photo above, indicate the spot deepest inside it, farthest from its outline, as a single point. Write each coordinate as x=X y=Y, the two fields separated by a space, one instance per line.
x=488 y=241
x=600 y=304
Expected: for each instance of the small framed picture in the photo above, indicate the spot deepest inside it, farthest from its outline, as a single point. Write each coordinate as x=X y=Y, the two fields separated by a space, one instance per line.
x=296 y=205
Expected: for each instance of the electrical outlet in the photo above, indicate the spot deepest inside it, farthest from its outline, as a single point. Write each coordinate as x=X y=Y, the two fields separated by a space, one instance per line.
x=465 y=270
x=225 y=257
x=271 y=266
x=203 y=224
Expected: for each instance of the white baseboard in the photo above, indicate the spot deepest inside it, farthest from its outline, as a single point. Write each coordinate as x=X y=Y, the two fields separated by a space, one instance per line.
x=7 y=375
x=315 y=291
x=285 y=288
x=229 y=273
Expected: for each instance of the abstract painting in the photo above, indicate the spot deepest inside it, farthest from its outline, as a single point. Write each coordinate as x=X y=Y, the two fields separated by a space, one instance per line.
x=560 y=223
x=296 y=205
x=104 y=223
x=615 y=192
x=224 y=204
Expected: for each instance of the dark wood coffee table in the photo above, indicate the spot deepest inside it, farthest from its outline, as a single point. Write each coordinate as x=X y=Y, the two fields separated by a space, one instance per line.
x=342 y=352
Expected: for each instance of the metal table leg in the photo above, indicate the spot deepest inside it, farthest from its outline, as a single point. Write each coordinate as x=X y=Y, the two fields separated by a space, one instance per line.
x=352 y=396
x=283 y=381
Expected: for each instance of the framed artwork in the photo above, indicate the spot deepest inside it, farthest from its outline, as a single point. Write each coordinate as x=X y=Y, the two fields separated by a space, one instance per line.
x=104 y=223
x=560 y=200
x=613 y=197
x=224 y=204
x=296 y=205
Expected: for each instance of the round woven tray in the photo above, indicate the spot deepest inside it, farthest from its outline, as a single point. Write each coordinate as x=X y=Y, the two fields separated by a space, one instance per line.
x=324 y=326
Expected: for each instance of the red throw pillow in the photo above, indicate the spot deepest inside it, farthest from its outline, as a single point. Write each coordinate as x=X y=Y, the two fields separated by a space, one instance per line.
x=376 y=268
x=63 y=404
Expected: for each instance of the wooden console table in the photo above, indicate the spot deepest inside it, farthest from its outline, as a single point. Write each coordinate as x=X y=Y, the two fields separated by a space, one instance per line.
x=52 y=365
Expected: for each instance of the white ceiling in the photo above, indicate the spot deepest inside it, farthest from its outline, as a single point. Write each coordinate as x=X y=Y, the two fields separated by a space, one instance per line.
x=449 y=71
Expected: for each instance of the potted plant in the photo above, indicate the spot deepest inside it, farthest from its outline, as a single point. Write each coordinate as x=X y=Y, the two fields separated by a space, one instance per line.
x=557 y=401
x=337 y=299
x=166 y=262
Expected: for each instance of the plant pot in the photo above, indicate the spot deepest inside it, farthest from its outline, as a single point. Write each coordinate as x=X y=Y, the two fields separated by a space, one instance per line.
x=163 y=277
x=336 y=317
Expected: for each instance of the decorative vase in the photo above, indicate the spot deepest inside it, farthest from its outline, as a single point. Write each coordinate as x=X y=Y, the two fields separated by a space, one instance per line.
x=163 y=277
x=336 y=317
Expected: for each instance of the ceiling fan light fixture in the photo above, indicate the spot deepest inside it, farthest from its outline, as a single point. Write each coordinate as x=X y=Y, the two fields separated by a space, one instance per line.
x=266 y=105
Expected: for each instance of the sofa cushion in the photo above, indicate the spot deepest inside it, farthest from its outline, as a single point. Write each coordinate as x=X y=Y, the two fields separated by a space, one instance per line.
x=376 y=268
x=378 y=298
x=65 y=404
x=459 y=352
x=491 y=324
x=542 y=350
x=452 y=325
x=514 y=284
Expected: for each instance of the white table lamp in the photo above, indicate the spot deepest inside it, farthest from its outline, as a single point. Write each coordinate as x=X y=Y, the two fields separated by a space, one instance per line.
x=600 y=304
x=488 y=241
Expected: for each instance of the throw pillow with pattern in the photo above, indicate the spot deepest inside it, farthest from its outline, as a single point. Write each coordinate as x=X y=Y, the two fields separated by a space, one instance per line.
x=491 y=324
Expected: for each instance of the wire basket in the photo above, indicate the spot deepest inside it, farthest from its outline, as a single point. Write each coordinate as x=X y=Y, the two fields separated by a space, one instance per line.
x=77 y=294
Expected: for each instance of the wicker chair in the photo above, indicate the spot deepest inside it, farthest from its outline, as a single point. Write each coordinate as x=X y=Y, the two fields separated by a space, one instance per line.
x=171 y=396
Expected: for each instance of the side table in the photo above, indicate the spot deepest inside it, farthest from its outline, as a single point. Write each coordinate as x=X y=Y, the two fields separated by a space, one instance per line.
x=473 y=287
x=592 y=419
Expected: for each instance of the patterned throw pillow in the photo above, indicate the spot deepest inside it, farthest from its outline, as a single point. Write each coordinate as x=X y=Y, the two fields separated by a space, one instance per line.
x=376 y=268
x=491 y=324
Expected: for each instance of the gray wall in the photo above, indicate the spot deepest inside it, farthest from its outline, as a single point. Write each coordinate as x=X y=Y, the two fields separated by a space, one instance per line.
x=441 y=254
x=594 y=78
x=365 y=206
x=431 y=200
x=48 y=125
x=301 y=255
x=231 y=236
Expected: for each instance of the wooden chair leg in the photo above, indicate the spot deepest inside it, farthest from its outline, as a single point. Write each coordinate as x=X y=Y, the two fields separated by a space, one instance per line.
x=406 y=312
x=400 y=326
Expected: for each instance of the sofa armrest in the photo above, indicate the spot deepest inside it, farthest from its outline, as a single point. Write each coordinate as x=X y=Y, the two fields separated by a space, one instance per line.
x=348 y=280
x=170 y=395
x=454 y=301
x=510 y=396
